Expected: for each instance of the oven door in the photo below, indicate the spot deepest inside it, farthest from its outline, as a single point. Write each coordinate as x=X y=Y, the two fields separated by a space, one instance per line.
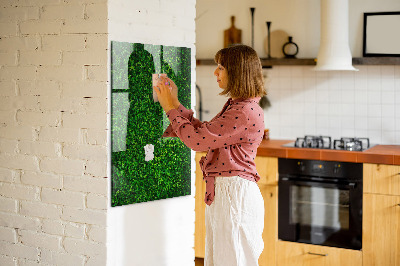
x=320 y=212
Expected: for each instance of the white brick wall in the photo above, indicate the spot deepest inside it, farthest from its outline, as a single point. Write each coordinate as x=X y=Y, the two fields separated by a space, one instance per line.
x=53 y=113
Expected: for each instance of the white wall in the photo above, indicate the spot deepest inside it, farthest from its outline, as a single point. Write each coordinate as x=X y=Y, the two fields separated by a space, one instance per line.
x=53 y=109
x=338 y=104
x=159 y=232
x=299 y=18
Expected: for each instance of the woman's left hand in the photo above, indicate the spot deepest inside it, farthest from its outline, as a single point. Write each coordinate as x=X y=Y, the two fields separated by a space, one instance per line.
x=163 y=90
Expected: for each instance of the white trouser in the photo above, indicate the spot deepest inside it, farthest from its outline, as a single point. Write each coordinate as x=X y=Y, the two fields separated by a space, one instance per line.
x=234 y=223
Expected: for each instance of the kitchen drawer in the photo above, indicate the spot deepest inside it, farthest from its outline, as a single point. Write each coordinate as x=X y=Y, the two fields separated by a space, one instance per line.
x=298 y=254
x=381 y=179
x=267 y=168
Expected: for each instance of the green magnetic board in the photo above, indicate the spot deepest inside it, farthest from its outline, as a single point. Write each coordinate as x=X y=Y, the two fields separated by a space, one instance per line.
x=145 y=166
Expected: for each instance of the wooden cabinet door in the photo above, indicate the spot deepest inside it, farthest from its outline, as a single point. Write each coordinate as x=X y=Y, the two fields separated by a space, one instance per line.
x=200 y=207
x=381 y=230
x=270 y=233
x=381 y=179
x=267 y=168
x=297 y=254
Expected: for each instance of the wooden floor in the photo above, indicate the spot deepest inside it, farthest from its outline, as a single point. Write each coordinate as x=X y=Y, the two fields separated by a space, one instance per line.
x=199 y=262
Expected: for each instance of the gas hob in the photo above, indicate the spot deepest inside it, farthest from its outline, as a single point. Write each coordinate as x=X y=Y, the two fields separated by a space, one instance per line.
x=325 y=142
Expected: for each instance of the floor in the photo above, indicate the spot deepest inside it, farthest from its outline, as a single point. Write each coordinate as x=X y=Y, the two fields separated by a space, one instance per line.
x=198 y=261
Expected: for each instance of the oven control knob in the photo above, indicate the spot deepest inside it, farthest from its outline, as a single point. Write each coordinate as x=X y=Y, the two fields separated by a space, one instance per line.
x=336 y=169
x=302 y=167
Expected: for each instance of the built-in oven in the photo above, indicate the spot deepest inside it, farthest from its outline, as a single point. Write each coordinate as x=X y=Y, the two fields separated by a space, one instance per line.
x=320 y=202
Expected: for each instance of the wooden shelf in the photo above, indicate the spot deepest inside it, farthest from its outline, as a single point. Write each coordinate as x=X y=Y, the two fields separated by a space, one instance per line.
x=312 y=61
x=376 y=61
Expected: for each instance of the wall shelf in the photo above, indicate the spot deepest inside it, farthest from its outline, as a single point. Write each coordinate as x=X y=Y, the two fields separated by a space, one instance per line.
x=312 y=61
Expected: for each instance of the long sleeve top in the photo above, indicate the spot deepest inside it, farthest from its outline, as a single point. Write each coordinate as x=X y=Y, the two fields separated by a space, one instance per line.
x=231 y=139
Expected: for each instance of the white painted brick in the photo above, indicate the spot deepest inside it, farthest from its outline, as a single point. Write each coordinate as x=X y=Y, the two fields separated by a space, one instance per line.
x=8 y=234
x=30 y=2
x=18 y=72
x=85 y=152
x=75 y=230
x=63 y=197
x=39 y=58
x=19 y=13
x=18 y=191
x=8 y=117
x=94 y=201
x=8 y=146
x=7 y=88
x=97 y=11
x=67 y=42
x=8 y=204
x=87 y=88
x=40 y=148
x=97 y=260
x=61 y=259
x=41 y=179
x=95 y=168
x=97 y=42
x=84 y=247
x=98 y=73
x=17 y=132
x=98 y=121
x=62 y=12
x=38 y=209
x=62 y=166
x=86 y=184
x=25 y=262
x=39 y=87
x=55 y=103
x=60 y=73
x=40 y=27
x=95 y=105
x=35 y=239
x=8 y=261
x=53 y=227
x=18 y=161
x=96 y=137
x=84 y=26
x=19 y=43
x=19 y=221
x=97 y=234
x=88 y=57
x=57 y=134
x=19 y=251
x=39 y=118
x=7 y=175
x=26 y=103
x=84 y=216
x=8 y=58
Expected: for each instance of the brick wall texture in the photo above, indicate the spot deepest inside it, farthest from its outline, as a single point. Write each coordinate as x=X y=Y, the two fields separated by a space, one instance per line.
x=53 y=138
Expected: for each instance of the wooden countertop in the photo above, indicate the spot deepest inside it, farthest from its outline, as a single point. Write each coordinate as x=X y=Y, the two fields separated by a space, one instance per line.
x=379 y=154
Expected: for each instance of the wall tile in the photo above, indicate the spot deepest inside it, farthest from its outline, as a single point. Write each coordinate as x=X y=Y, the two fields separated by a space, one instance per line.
x=342 y=103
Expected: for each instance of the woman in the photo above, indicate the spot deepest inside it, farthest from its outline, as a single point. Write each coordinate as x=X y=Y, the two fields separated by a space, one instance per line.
x=235 y=207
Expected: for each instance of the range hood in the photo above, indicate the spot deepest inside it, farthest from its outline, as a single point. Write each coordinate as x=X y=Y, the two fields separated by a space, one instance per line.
x=334 y=51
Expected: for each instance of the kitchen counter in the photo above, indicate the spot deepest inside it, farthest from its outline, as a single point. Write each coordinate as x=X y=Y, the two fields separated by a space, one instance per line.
x=379 y=154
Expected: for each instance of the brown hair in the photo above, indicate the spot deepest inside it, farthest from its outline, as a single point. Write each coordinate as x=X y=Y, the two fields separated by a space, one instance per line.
x=245 y=78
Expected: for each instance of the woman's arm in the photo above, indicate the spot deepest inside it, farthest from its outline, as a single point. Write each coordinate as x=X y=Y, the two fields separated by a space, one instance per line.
x=186 y=113
x=228 y=129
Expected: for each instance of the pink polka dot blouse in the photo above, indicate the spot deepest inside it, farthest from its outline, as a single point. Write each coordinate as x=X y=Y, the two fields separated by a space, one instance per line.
x=231 y=139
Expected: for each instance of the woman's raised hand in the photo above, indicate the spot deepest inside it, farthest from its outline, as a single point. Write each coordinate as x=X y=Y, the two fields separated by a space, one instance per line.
x=174 y=93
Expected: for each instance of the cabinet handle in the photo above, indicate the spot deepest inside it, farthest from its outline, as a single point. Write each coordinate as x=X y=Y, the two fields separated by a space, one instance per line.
x=318 y=254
